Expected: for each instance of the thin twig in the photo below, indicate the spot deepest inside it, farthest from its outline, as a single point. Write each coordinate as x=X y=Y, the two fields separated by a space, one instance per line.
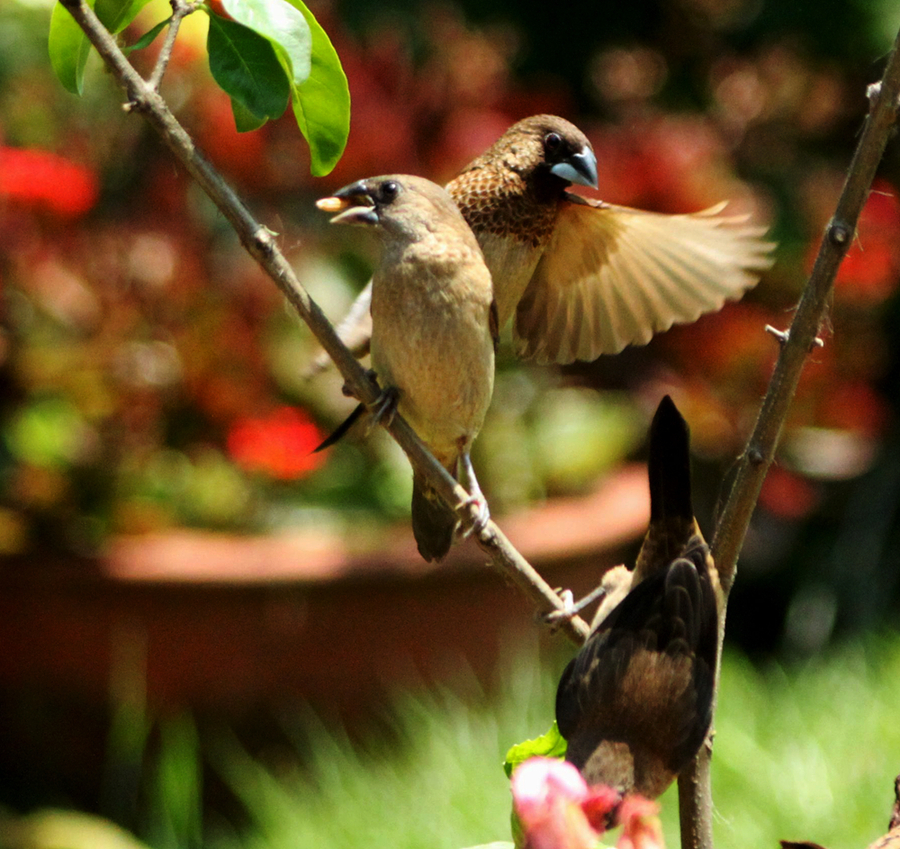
x=180 y=10
x=695 y=796
x=258 y=241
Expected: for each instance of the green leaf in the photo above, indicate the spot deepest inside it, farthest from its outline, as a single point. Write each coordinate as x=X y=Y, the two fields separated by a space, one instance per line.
x=115 y=15
x=322 y=102
x=244 y=119
x=549 y=745
x=319 y=91
x=148 y=37
x=245 y=66
x=283 y=25
x=69 y=49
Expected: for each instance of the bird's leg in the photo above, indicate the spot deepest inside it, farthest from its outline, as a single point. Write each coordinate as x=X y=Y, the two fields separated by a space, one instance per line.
x=614 y=586
x=476 y=498
x=571 y=607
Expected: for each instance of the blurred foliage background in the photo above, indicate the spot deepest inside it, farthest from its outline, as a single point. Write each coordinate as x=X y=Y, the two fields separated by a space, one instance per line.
x=151 y=378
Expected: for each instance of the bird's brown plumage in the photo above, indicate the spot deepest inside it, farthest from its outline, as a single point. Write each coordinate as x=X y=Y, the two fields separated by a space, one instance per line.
x=581 y=278
x=636 y=702
x=433 y=326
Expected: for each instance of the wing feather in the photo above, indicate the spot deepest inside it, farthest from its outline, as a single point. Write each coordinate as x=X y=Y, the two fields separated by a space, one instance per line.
x=612 y=276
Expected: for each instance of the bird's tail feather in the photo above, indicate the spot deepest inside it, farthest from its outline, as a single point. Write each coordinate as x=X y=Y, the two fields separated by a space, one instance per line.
x=432 y=521
x=672 y=523
x=670 y=464
x=341 y=429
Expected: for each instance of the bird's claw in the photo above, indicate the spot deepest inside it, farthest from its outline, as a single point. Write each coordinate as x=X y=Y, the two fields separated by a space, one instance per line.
x=473 y=524
x=564 y=613
x=572 y=608
x=384 y=407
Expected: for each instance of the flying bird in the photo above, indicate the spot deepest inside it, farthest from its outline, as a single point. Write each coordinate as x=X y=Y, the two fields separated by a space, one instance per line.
x=635 y=704
x=578 y=277
x=434 y=328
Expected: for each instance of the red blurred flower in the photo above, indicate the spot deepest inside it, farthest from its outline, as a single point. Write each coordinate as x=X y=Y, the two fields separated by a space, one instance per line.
x=787 y=495
x=870 y=271
x=665 y=163
x=240 y=155
x=278 y=445
x=41 y=179
x=640 y=824
x=555 y=806
x=557 y=810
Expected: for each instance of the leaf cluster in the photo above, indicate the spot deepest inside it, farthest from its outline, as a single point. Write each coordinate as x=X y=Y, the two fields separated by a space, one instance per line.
x=265 y=54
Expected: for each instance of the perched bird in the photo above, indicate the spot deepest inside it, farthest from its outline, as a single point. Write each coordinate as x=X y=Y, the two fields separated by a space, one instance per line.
x=582 y=277
x=635 y=703
x=434 y=328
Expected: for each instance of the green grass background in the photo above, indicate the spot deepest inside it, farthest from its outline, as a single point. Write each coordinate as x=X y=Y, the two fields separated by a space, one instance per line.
x=808 y=753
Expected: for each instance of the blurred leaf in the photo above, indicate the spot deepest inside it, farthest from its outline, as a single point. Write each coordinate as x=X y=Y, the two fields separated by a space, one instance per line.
x=129 y=722
x=115 y=15
x=245 y=65
x=214 y=491
x=549 y=745
x=48 y=433
x=179 y=783
x=148 y=37
x=244 y=120
x=580 y=434
x=322 y=103
x=499 y=844
x=69 y=49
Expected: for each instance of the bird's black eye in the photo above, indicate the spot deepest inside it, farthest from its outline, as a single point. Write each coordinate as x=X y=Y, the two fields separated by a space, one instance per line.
x=389 y=190
x=552 y=142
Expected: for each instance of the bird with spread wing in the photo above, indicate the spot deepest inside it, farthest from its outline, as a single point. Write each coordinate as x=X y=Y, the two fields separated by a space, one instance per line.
x=579 y=277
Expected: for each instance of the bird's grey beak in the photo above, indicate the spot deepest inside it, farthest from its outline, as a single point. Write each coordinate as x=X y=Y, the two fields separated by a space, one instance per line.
x=579 y=168
x=353 y=204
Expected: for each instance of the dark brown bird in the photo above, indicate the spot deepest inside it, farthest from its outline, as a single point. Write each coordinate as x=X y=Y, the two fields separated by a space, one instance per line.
x=635 y=704
x=582 y=277
x=434 y=326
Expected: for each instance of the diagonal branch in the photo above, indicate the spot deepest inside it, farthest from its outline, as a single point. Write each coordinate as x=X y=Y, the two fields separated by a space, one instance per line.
x=258 y=241
x=695 y=797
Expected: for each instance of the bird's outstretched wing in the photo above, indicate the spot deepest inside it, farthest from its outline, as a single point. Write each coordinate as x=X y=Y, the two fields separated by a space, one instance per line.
x=612 y=276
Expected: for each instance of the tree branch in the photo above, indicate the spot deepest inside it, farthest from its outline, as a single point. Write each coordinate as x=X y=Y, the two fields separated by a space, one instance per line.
x=695 y=796
x=180 y=10
x=258 y=241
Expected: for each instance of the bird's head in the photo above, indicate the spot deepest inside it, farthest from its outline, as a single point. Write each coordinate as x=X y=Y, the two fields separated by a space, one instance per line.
x=555 y=147
x=396 y=202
